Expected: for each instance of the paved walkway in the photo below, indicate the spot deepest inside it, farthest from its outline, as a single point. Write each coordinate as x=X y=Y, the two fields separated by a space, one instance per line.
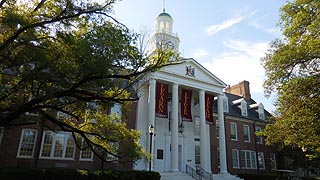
x=175 y=176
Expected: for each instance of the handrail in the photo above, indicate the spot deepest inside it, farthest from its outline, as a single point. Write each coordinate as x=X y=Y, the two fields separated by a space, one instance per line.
x=192 y=172
x=199 y=173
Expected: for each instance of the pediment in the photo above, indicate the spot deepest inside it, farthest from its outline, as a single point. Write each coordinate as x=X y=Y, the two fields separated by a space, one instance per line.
x=189 y=70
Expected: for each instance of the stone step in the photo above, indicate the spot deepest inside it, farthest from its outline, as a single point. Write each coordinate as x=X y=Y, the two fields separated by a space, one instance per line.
x=175 y=176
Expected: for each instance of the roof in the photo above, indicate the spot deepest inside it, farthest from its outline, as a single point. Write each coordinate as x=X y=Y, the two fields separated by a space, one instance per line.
x=235 y=111
x=164 y=14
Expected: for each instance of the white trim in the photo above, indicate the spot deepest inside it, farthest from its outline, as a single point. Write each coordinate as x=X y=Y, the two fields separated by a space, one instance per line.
x=263 y=161
x=80 y=156
x=238 y=162
x=258 y=129
x=34 y=143
x=252 y=158
x=51 y=156
x=249 y=138
x=235 y=129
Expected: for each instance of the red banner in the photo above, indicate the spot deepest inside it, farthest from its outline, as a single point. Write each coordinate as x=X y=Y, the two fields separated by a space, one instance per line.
x=208 y=106
x=162 y=100
x=186 y=96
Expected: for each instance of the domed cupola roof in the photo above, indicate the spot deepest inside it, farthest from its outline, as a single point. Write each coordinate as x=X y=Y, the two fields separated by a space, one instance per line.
x=165 y=14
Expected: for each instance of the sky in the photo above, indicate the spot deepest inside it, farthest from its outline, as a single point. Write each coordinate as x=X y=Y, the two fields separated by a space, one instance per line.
x=228 y=37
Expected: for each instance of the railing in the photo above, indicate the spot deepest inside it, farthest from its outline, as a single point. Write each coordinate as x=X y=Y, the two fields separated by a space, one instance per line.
x=193 y=173
x=199 y=173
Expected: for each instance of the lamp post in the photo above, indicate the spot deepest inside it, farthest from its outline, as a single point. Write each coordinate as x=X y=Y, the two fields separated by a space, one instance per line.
x=151 y=132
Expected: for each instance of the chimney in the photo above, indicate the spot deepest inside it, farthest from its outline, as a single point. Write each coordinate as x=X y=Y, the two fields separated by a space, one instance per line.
x=241 y=89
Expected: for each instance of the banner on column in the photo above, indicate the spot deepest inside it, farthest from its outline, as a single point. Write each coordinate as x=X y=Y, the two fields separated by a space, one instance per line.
x=208 y=106
x=186 y=105
x=162 y=100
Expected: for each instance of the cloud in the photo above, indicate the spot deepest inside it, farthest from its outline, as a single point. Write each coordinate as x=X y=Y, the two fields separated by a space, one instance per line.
x=224 y=25
x=198 y=53
x=241 y=62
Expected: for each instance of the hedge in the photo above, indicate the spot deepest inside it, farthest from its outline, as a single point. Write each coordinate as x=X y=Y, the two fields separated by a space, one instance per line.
x=74 y=174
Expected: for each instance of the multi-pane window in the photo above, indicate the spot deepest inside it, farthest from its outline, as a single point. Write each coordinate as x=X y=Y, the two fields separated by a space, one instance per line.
x=261 y=160
x=273 y=161
x=218 y=155
x=225 y=105
x=197 y=154
x=57 y=145
x=27 y=143
x=114 y=148
x=233 y=131
x=246 y=133
x=217 y=128
x=197 y=126
x=261 y=112
x=248 y=159
x=1 y=134
x=86 y=152
x=116 y=110
x=244 y=108
x=258 y=138
x=235 y=158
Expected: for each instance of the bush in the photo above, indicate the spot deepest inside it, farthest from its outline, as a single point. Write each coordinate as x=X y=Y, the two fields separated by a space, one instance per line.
x=74 y=174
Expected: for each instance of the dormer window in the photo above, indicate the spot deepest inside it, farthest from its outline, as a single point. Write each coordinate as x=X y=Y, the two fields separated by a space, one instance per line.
x=225 y=104
x=244 y=109
x=261 y=112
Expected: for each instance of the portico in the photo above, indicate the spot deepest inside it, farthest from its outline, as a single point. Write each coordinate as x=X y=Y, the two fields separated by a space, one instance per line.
x=172 y=149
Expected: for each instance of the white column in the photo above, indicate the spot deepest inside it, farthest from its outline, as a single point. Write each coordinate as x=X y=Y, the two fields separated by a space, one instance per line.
x=151 y=116
x=222 y=137
x=203 y=138
x=174 y=128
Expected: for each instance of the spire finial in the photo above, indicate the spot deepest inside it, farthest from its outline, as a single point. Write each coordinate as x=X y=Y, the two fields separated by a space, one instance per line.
x=164 y=5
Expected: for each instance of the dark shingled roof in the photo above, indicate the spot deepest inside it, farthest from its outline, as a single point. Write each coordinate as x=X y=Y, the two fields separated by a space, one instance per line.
x=235 y=111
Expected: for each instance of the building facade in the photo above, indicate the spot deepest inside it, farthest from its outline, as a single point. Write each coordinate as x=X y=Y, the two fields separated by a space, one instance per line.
x=198 y=121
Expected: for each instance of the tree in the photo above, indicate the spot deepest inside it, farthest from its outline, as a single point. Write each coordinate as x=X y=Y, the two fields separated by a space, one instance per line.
x=63 y=55
x=292 y=67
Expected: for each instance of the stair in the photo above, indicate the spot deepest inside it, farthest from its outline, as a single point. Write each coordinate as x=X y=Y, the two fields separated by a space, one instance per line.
x=225 y=177
x=175 y=176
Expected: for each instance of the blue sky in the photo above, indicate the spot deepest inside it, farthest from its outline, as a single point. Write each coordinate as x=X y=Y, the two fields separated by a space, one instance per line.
x=226 y=37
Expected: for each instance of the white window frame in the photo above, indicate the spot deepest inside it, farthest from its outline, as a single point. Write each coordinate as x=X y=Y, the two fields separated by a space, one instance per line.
x=244 y=108
x=235 y=158
x=1 y=134
x=261 y=160
x=21 y=142
x=197 y=154
x=197 y=126
x=261 y=112
x=249 y=159
x=85 y=151
x=218 y=157
x=110 y=157
x=225 y=104
x=246 y=127
x=259 y=139
x=273 y=161
x=217 y=128
x=53 y=146
x=235 y=130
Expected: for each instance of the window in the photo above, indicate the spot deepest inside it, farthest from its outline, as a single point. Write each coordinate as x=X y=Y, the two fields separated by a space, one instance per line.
x=261 y=112
x=218 y=155
x=258 y=138
x=246 y=133
x=116 y=110
x=217 y=128
x=235 y=158
x=197 y=154
x=225 y=105
x=1 y=134
x=27 y=143
x=261 y=160
x=58 y=145
x=197 y=126
x=86 y=153
x=114 y=146
x=273 y=161
x=244 y=110
x=233 y=131
x=248 y=159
